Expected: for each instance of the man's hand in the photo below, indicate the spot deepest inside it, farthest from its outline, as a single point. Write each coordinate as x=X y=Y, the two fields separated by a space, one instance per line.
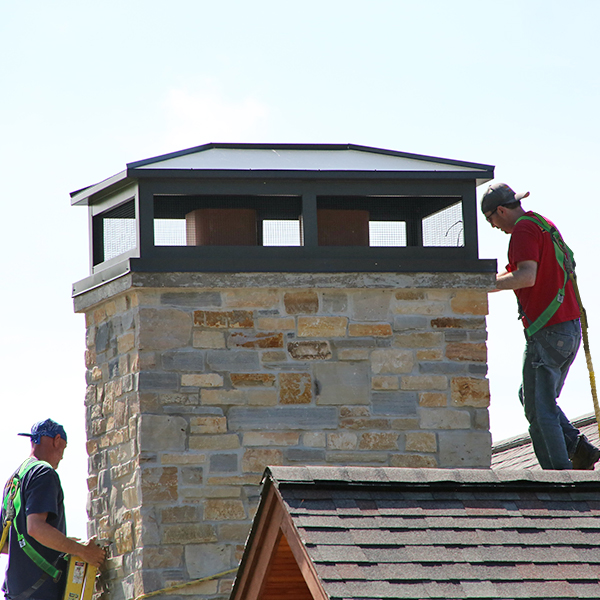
x=92 y=553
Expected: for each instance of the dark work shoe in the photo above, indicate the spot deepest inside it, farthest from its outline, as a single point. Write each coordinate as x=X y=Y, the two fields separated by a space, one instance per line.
x=586 y=455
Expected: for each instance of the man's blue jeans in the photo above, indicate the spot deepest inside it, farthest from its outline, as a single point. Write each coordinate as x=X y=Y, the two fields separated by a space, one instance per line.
x=544 y=373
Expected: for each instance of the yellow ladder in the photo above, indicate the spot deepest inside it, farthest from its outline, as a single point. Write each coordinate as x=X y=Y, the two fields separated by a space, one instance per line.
x=80 y=580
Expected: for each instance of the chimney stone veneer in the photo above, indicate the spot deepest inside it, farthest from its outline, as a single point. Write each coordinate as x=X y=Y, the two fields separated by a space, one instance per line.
x=197 y=381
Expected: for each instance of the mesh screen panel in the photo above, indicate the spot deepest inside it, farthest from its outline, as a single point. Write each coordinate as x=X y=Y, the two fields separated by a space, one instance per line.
x=169 y=232
x=119 y=230
x=387 y=233
x=444 y=228
x=281 y=233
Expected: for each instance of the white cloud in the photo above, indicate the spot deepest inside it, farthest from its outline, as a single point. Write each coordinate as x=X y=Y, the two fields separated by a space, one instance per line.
x=195 y=118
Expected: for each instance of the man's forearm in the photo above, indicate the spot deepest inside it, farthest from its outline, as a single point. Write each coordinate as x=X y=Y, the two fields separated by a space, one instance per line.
x=524 y=276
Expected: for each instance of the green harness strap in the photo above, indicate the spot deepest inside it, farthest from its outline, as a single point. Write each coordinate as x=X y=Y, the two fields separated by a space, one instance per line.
x=564 y=257
x=13 y=496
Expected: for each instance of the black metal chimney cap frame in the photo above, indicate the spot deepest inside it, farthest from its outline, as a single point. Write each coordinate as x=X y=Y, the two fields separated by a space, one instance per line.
x=307 y=171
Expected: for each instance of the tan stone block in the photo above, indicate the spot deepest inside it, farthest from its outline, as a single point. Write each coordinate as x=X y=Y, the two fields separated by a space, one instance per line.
x=356 y=458
x=251 y=298
x=236 y=480
x=423 y=382
x=413 y=461
x=277 y=438
x=124 y=538
x=342 y=441
x=355 y=411
x=468 y=352
x=159 y=484
x=255 y=460
x=99 y=315
x=364 y=423
x=419 y=340
x=262 y=397
x=125 y=342
x=208 y=339
x=188 y=533
x=379 y=441
x=96 y=374
x=301 y=302
x=295 y=388
x=410 y=294
x=187 y=458
x=276 y=323
x=322 y=326
x=468 y=391
x=204 y=588
x=273 y=356
x=404 y=423
x=458 y=323
x=240 y=319
x=391 y=360
x=221 y=397
x=354 y=353
x=179 y=514
x=211 y=318
x=385 y=382
x=162 y=557
x=433 y=399
x=369 y=329
x=470 y=302
x=255 y=340
x=420 y=441
x=208 y=424
x=426 y=307
x=252 y=379
x=314 y=439
x=439 y=295
x=430 y=354
x=208 y=380
x=224 y=510
x=131 y=498
x=310 y=350
x=233 y=532
x=214 y=442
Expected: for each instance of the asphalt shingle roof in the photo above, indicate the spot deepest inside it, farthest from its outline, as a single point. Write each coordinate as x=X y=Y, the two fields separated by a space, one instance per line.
x=517 y=452
x=431 y=533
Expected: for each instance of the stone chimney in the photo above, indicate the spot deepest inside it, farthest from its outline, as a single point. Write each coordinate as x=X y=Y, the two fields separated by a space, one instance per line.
x=354 y=337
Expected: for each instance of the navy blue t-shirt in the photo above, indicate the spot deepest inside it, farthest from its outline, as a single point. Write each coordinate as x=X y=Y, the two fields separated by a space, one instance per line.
x=41 y=492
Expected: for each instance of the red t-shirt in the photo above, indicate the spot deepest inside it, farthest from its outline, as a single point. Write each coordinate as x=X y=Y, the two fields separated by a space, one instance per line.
x=530 y=242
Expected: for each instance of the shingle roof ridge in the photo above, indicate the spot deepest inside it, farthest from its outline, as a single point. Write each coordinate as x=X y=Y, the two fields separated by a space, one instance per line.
x=332 y=475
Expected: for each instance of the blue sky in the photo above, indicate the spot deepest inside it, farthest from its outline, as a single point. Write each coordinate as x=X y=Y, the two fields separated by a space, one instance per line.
x=89 y=86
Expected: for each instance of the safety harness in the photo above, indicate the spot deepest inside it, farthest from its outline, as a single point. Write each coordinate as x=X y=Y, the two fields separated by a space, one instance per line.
x=564 y=257
x=11 y=505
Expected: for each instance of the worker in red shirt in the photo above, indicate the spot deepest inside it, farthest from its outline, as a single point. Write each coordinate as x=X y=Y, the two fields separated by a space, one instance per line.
x=537 y=278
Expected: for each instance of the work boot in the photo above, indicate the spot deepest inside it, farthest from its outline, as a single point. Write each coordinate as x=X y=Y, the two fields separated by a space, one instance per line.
x=586 y=455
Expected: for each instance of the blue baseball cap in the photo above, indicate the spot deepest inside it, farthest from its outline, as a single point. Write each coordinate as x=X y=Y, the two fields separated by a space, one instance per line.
x=48 y=428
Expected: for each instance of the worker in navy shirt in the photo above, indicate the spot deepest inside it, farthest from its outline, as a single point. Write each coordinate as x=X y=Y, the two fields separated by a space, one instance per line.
x=41 y=520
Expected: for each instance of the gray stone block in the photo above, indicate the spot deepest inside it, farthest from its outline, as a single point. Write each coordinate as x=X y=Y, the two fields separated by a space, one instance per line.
x=191 y=299
x=372 y=305
x=223 y=463
x=305 y=455
x=465 y=449
x=183 y=360
x=104 y=334
x=158 y=432
x=442 y=367
x=233 y=360
x=305 y=417
x=410 y=323
x=455 y=335
x=394 y=403
x=478 y=368
x=203 y=560
x=342 y=383
x=334 y=302
x=156 y=380
x=191 y=475
x=354 y=343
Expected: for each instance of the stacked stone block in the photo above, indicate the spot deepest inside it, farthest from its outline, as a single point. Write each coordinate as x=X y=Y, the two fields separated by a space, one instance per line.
x=193 y=390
